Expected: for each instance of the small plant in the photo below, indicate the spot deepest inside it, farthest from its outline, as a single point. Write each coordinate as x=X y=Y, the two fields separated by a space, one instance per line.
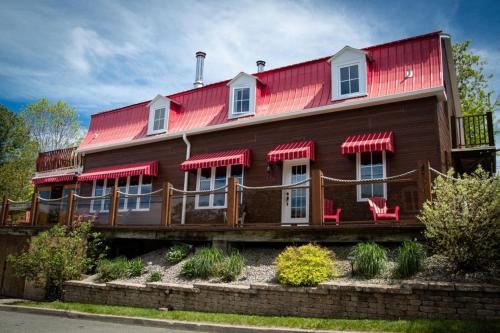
x=306 y=265
x=113 y=269
x=135 y=267
x=177 y=252
x=231 y=267
x=369 y=259
x=155 y=277
x=410 y=258
x=203 y=264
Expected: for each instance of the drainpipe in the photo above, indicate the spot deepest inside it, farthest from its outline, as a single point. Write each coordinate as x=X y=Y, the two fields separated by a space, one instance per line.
x=186 y=178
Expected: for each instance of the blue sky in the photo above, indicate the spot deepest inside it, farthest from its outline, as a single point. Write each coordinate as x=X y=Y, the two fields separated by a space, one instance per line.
x=98 y=55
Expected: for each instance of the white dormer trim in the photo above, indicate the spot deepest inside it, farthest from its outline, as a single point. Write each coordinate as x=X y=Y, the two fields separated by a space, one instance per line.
x=346 y=57
x=158 y=103
x=242 y=81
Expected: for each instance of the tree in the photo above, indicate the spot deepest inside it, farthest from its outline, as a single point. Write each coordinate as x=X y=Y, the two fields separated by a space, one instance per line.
x=17 y=156
x=475 y=96
x=52 y=126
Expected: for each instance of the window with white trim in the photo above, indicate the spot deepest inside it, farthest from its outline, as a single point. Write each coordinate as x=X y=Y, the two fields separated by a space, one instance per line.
x=131 y=185
x=158 y=115
x=349 y=79
x=241 y=100
x=159 y=120
x=242 y=96
x=349 y=73
x=371 y=165
x=213 y=178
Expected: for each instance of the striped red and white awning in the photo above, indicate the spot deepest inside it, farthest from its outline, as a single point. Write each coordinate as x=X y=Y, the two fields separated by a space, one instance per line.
x=52 y=179
x=368 y=142
x=223 y=158
x=116 y=171
x=292 y=151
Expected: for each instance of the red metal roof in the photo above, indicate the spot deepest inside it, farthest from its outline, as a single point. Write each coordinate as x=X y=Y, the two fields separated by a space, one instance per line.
x=368 y=142
x=52 y=179
x=292 y=88
x=143 y=168
x=292 y=151
x=223 y=158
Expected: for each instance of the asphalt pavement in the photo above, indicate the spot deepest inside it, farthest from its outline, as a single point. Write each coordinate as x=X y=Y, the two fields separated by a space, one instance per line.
x=17 y=322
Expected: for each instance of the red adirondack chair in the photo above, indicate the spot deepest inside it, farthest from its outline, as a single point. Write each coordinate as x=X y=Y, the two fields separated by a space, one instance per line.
x=380 y=211
x=329 y=215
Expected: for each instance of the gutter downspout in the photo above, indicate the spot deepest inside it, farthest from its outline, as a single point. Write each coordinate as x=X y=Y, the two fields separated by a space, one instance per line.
x=186 y=178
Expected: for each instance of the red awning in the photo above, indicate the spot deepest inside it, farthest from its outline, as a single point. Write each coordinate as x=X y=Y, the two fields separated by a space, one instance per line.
x=223 y=158
x=368 y=142
x=53 y=179
x=292 y=151
x=143 y=168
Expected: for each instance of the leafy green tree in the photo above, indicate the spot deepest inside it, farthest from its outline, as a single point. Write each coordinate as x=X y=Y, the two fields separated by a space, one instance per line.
x=473 y=89
x=52 y=126
x=53 y=256
x=17 y=156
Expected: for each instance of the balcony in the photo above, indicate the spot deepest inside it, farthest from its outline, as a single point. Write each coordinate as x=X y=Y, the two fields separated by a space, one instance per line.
x=66 y=158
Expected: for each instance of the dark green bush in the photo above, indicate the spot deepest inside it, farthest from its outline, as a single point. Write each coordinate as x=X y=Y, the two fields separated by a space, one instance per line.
x=369 y=259
x=155 y=277
x=231 y=267
x=112 y=269
x=203 y=264
x=135 y=267
x=177 y=252
x=306 y=265
x=410 y=259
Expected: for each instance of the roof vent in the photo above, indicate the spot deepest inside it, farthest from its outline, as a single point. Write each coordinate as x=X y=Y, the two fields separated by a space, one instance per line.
x=200 y=59
x=260 y=65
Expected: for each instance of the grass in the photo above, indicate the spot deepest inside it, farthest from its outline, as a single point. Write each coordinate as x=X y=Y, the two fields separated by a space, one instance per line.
x=409 y=326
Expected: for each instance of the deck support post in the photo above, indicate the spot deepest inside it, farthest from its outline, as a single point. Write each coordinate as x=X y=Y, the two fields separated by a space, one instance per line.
x=424 y=183
x=34 y=207
x=113 y=209
x=317 y=197
x=5 y=208
x=69 y=208
x=232 y=202
x=166 y=205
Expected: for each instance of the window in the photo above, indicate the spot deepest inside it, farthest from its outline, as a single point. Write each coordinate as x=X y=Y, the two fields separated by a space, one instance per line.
x=349 y=80
x=213 y=178
x=132 y=185
x=371 y=165
x=241 y=100
x=159 y=120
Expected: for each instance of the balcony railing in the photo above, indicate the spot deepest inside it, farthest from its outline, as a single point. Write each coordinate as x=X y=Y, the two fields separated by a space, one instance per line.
x=473 y=131
x=58 y=159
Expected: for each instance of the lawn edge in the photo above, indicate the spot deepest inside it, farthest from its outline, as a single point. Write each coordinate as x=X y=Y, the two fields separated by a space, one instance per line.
x=164 y=323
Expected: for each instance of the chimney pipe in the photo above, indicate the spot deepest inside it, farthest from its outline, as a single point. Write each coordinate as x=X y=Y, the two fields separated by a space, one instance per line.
x=200 y=58
x=260 y=65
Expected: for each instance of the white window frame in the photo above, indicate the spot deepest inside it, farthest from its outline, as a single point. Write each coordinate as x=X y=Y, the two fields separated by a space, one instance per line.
x=212 y=184
x=137 y=204
x=358 y=176
x=158 y=103
x=348 y=57
x=242 y=81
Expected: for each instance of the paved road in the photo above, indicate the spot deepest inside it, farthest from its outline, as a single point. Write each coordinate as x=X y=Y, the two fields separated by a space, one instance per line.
x=14 y=322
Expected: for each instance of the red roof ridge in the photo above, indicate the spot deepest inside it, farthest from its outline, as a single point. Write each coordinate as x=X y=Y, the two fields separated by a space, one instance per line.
x=258 y=74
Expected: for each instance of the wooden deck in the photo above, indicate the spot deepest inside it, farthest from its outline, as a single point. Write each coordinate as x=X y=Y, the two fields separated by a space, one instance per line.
x=386 y=231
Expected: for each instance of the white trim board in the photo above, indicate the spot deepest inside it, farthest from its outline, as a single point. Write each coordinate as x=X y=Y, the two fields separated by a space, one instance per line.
x=347 y=105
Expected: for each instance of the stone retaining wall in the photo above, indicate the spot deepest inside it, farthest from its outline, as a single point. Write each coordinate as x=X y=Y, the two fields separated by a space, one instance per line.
x=431 y=300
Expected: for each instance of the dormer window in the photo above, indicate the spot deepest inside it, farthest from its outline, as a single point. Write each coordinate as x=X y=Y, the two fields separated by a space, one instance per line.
x=242 y=95
x=348 y=68
x=158 y=115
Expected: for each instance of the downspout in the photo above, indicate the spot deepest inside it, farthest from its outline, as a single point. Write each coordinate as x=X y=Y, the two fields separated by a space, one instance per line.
x=186 y=178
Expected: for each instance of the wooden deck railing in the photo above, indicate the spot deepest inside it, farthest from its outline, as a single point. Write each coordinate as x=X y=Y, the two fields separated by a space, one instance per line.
x=422 y=177
x=58 y=159
x=473 y=131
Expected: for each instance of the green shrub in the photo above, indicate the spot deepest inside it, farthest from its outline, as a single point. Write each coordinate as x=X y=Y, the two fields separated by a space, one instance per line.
x=155 y=277
x=369 y=259
x=410 y=258
x=203 y=264
x=306 y=265
x=113 y=269
x=177 y=252
x=97 y=249
x=231 y=267
x=462 y=221
x=135 y=267
x=53 y=257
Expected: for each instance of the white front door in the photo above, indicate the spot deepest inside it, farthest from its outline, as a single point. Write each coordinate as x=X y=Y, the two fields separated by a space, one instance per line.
x=295 y=202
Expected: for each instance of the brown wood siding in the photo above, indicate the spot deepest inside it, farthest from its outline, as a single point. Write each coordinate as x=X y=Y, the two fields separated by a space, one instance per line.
x=416 y=136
